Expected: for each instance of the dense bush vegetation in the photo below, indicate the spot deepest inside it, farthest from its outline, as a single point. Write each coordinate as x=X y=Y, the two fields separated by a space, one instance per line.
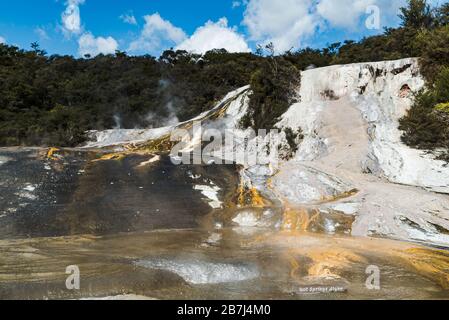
x=426 y=126
x=53 y=100
x=195 y=83
x=273 y=87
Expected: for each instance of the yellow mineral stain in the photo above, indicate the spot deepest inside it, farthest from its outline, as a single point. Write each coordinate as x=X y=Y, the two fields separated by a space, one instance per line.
x=241 y=195
x=341 y=196
x=325 y=262
x=51 y=153
x=295 y=266
x=161 y=145
x=330 y=257
x=156 y=146
x=334 y=258
x=299 y=220
x=220 y=113
x=433 y=264
x=321 y=270
x=256 y=198
x=112 y=156
x=250 y=197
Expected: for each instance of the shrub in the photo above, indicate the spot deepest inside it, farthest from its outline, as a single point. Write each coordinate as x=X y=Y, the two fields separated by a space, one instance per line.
x=274 y=86
x=293 y=138
x=442 y=107
x=426 y=125
x=434 y=51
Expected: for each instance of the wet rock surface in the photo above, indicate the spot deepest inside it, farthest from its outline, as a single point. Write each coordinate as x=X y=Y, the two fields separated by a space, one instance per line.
x=71 y=210
x=74 y=194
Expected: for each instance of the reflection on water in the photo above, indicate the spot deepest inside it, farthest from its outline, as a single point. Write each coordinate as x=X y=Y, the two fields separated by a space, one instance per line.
x=76 y=195
x=186 y=250
x=181 y=264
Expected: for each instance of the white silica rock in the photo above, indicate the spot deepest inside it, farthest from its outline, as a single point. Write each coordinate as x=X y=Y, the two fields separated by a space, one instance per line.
x=299 y=184
x=349 y=115
x=211 y=194
x=349 y=208
x=383 y=92
x=116 y=137
x=247 y=219
x=383 y=104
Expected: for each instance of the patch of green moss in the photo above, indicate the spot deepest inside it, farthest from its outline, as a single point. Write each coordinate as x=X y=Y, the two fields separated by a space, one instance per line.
x=442 y=107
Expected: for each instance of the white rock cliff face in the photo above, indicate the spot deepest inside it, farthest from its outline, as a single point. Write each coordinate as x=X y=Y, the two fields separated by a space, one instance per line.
x=349 y=115
x=383 y=92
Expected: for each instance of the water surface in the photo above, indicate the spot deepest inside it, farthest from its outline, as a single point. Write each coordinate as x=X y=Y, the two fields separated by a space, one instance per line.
x=149 y=230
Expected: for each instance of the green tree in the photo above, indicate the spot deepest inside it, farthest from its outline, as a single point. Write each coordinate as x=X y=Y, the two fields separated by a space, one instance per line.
x=37 y=49
x=417 y=15
x=442 y=15
x=274 y=86
x=434 y=51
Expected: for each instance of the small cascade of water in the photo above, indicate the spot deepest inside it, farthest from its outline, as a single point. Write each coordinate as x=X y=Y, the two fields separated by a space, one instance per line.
x=195 y=271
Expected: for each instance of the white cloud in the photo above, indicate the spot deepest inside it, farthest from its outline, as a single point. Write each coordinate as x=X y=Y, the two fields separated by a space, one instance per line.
x=71 y=18
x=128 y=18
x=157 y=34
x=239 y=3
x=389 y=9
x=88 y=44
x=347 y=14
x=289 y=23
x=2 y=40
x=215 y=35
x=285 y=23
x=41 y=33
x=343 y=13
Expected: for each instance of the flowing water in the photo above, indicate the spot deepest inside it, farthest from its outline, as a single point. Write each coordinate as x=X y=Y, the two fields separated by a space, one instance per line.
x=142 y=226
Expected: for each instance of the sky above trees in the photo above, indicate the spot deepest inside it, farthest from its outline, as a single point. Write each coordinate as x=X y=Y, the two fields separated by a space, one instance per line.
x=80 y=27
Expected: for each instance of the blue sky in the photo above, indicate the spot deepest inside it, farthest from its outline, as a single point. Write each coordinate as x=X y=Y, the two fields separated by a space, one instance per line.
x=78 y=27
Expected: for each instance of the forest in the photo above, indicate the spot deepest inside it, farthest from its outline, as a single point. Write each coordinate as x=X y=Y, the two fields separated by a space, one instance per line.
x=52 y=100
